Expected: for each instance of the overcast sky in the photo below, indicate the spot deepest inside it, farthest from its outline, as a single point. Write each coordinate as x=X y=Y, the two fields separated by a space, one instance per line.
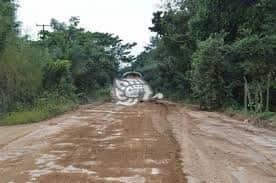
x=128 y=19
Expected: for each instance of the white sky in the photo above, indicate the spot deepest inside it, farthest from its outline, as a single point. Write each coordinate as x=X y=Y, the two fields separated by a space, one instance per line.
x=129 y=19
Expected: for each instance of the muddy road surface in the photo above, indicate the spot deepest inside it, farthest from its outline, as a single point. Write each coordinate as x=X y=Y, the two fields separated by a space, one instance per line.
x=145 y=143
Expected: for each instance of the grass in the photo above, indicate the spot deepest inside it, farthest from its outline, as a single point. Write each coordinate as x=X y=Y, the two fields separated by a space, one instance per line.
x=264 y=116
x=267 y=115
x=274 y=121
x=103 y=95
x=37 y=113
x=47 y=107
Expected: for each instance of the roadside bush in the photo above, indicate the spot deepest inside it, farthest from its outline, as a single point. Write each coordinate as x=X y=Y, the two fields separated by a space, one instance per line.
x=46 y=106
x=207 y=73
x=100 y=95
x=57 y=77
x=21 y=73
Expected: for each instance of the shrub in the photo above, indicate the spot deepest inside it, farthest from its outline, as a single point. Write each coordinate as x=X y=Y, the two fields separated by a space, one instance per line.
x=207 y=73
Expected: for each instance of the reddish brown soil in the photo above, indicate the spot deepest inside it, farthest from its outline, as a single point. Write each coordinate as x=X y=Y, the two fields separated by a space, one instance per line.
x=110 y=144
x=145 y=143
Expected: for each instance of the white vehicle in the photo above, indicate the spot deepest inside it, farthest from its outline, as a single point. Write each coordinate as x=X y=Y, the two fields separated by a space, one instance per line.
x=131 y=88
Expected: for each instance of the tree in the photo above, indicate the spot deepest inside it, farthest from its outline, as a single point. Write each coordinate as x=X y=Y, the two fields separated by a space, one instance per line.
x=208 y=73
x=8 y=24
x=174 y=51
x=94 y=56
x=223 y=50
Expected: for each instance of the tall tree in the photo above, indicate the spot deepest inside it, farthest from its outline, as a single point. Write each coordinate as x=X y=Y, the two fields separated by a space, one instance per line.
x=8 y=24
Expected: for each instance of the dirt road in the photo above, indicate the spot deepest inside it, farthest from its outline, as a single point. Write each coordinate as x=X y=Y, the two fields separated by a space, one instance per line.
x=143 y=143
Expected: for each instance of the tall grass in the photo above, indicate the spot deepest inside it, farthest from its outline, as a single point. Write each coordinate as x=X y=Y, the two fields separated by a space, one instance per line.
x=43 y=108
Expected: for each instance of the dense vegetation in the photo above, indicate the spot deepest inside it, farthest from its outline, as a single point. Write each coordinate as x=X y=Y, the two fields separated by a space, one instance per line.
x=66 y=66
x=217 y=53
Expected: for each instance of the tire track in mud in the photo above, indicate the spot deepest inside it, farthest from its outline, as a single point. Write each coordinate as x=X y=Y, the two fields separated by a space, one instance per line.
x=216 y=148
x=145 y=143
x=109 y=144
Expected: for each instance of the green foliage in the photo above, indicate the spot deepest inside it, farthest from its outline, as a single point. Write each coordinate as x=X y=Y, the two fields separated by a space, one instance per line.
x=94 y=56
x=20 y=73
x=43 y=108
x=207 y=50
x=188 y=61
x=39 y=79
x=8 y=25
x=263 y=117
x=255 y=55
x=58 y=77
x=207 y=73
x=102 y=94
x=170 y=53
x=267 y=115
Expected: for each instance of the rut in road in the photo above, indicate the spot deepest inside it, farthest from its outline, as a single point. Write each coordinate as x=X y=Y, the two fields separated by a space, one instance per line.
x=145 y=143
x=216 y=148
x=106 y=143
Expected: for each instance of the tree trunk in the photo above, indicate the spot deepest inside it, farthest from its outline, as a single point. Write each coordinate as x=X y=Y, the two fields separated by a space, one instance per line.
x=249 y=99
x=2 y=102
x=257 y=97
x=261 y=98
x=268 y=92
x=245 y=94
